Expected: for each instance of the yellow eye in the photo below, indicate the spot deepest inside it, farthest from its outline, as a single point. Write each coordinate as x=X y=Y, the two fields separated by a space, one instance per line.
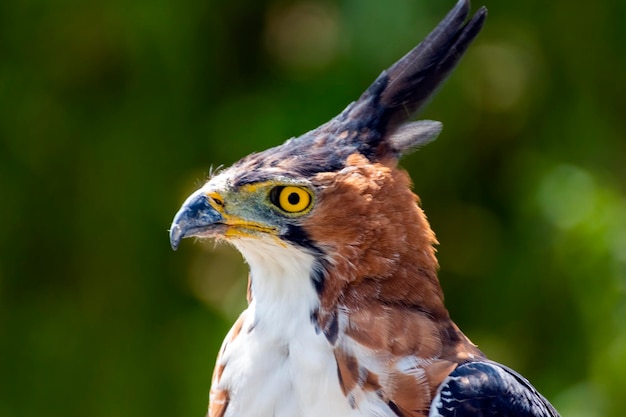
x=291 y=199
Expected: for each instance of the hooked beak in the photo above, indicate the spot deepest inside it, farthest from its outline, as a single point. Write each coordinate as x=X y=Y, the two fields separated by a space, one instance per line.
x=196 y=217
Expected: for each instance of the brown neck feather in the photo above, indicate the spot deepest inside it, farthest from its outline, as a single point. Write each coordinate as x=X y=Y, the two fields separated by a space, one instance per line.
x=384 y=247
x=382 y=277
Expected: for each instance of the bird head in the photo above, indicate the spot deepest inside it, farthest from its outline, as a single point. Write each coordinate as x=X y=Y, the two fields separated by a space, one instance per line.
x=335 y=196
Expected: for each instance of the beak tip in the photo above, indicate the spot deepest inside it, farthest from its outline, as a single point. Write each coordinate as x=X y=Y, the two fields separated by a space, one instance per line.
x=175 y=236
x=194 y=217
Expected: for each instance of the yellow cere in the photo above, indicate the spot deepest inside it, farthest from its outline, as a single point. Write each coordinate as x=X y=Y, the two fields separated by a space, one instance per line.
x=294 y=199
x=239 y=227
x=243 y=229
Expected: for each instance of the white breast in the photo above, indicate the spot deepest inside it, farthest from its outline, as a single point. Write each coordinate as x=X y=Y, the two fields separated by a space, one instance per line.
x=278 y=366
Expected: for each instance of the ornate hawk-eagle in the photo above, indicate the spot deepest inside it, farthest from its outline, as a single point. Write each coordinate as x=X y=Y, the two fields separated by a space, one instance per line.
x=346 y=315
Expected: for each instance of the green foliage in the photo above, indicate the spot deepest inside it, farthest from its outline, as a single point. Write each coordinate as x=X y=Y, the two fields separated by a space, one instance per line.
x=112 y=112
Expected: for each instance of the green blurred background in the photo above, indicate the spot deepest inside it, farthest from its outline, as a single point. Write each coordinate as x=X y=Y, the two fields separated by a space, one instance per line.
x=112 y=112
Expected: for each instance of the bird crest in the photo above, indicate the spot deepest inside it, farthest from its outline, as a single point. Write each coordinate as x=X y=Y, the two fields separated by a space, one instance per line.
x=375 y=125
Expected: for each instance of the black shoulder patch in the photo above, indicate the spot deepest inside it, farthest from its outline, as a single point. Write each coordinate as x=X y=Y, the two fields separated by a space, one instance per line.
x=477 y=389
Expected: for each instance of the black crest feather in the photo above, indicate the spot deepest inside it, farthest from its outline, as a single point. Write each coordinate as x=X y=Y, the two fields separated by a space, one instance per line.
x=376 y=124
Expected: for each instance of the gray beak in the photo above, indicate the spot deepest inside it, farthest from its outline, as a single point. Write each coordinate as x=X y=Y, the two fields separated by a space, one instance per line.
x=196 y=217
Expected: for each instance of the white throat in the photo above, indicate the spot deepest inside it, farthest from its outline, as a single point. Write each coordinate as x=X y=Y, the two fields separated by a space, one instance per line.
x=281 y=275
x=279 y=365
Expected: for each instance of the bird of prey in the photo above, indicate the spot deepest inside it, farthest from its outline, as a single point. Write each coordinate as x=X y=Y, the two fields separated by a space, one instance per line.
x=345 y=313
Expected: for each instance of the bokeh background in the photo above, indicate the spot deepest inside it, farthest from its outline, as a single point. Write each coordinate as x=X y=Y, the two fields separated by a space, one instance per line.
x=111 y=112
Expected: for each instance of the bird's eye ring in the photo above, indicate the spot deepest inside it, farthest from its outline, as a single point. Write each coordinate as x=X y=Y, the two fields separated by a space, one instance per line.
x=291 y=199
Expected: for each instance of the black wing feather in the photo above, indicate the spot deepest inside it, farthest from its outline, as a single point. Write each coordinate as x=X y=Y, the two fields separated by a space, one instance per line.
x=481 y=389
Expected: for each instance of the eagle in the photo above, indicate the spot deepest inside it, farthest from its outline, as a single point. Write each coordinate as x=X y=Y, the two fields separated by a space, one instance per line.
x=345 y=312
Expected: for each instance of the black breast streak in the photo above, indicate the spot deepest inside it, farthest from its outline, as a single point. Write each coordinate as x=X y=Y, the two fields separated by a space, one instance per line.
x=319 y=273
x=331 y=330
x=396 y=410
x=315 y=320
x=318 y=280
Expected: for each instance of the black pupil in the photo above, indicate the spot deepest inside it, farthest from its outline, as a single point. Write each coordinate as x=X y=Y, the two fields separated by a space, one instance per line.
x=293 y=199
